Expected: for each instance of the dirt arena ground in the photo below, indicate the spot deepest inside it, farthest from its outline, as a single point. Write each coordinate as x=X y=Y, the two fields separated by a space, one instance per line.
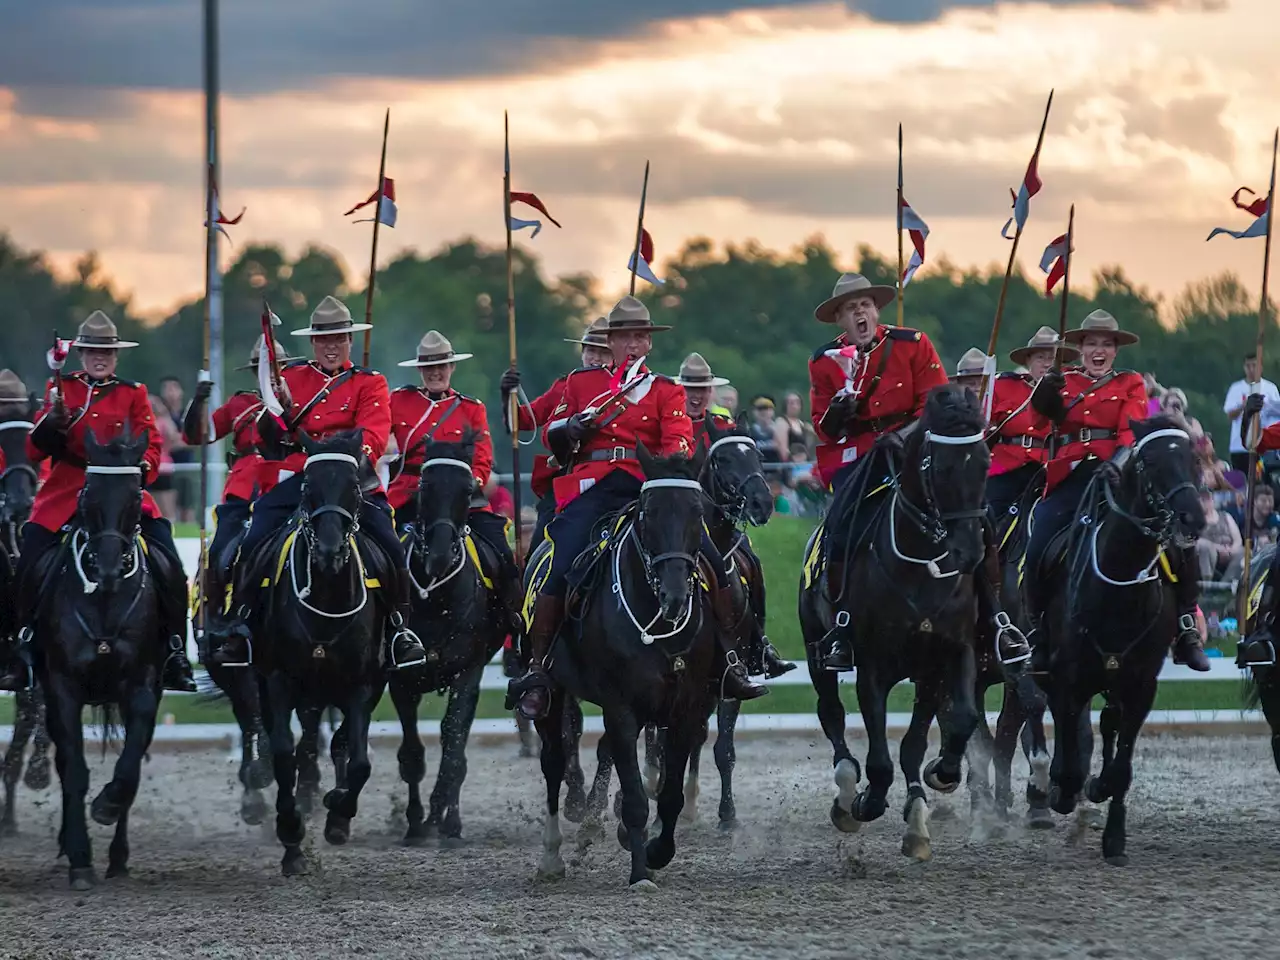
x=1204 y=834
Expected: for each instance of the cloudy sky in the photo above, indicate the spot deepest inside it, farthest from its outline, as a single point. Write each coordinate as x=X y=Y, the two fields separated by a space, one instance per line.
x=766 y=120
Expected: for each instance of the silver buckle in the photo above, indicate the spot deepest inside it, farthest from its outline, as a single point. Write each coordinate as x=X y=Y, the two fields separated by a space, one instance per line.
x=619 y=453
x=1085 y=435
x=1027 y=440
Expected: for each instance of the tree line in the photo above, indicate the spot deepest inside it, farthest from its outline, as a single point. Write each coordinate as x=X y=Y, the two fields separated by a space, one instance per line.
x=748 y=309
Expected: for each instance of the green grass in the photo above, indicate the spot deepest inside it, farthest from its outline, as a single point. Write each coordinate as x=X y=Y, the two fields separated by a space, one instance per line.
x=780 y=546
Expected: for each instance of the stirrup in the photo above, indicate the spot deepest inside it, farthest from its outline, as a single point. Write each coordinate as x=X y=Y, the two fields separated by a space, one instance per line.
x=219 y=656
x=1252 y=662
x=1006 y=626
x=420 y=658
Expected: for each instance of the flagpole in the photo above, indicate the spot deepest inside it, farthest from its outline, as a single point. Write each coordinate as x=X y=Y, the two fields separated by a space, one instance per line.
x=1013 y=254
x=635 y=261
x=1255 y=429
x=901 y=268
x=513 y=401
x=1066 y=288
x=373 y=253
x=211 y=360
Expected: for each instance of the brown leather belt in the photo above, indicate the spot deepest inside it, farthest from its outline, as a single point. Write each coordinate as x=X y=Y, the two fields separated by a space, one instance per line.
x=1025 y=441
x=613 y=453
x=1087 y=434
x=877 y=425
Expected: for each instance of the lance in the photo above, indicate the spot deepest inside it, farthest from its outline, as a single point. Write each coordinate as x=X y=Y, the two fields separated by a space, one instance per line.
x=901 y=268
x=1008 y=273
x=513 y=405
x=1066 y=288
x=635 y=261
x=1255 y=430
x=373 y=251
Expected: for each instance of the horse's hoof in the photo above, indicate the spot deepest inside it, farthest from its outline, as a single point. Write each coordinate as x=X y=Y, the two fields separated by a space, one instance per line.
x=296 y=865
x=1060 y=801
x=728 y=824
x=452 y=842
x=917 y=848
x=416 y=836
x=1094 y=791
x=644 y=886
x=115 y=872
x=261 y=775
x=550 y=870
x=334 y=798
x=843 y=820
x=688 y=815
x=935 y=782
x=253 y=808
x=103 y=811
x=337 y=830
x=1119 y=860
x=575 y=806
x=82 y=879
x=1039 y=818
x=658 y=854
x=37 y=775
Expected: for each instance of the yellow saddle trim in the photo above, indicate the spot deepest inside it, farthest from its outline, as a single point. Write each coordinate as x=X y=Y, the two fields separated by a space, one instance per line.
x=1255 y=596
x=813 y=559
x=372 y=583
x=474 y=554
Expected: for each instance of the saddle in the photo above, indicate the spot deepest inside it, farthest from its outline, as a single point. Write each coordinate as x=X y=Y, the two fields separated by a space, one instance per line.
x=586 y=570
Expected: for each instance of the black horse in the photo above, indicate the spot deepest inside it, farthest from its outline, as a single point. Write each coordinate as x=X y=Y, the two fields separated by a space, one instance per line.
x=462 y=623
x=18 y=482
x=1262 y=687
x=641 y=646
x=915 y=570
x=1112 y=615
x=100 y=640
x=321 y=626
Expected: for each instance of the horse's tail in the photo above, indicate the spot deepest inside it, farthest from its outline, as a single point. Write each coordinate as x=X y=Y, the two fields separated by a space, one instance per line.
x=106 y=718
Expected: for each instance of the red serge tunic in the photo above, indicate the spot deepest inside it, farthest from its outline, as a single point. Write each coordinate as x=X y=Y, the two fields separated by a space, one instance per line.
x=325 y=405
x=652 y=413
x=238 y=419
x=1022 y=435
x=415 y=416
x=104 y=407
x=892 y=378
x=1098 y=419
x=536 y=415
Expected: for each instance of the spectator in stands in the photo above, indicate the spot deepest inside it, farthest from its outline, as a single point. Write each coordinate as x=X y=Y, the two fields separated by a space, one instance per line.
x=161 y=487
x=1173 y=404
x=1219 y=549
x=1213 y=472
x=1266 y=523
x=185 y=484
x=726 y=404
x=762 y=430
x=1155 y=393
x=1233 y=406
x=792 y=429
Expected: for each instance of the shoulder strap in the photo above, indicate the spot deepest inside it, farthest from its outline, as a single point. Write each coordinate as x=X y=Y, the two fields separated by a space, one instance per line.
x=329 y=387
x=875 y=380
x=1092 y=387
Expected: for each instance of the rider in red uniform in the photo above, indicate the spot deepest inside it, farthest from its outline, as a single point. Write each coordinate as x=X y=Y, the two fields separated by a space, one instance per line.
x=95 y=399
x=324 y=397
x=435 y=411
x=536 y=414
x=1259 y=647
x=1092 y=408
x=237 y=418
x=605 y=474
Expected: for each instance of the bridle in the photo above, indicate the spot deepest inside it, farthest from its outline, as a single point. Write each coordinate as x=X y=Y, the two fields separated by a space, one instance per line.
x=1158 y=521
x=731 y=502
x=457 y=536
x=14 y=469
x=309 y=517
x=929 y=519
x=82 y=542
x=651 y=563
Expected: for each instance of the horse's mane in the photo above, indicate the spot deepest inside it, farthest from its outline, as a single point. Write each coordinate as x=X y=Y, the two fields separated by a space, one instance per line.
x=1142 y=428
x=464 y=449
x=348 y=441
x=122 y=450
x=676 y=466
x=953 y=411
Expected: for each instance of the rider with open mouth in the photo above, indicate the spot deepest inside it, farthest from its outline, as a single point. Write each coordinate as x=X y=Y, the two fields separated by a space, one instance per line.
x=1259 y=647
x=95 y=398
x=1092 y=408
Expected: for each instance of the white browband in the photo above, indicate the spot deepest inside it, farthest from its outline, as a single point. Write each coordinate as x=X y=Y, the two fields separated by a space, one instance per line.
x=114 y=471
x=1157 y=434
x=447 y=462
x=954 y=441
x=332 y=458
x=735 y=438
x=670 y=482
x=17 y=425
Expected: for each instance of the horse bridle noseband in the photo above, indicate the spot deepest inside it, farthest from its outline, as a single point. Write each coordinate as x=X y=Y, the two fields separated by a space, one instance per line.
x=457 y=537
x=651 y=562
x=932 y=521
x=1158 y=526
x=309 y=517
x=732 y=503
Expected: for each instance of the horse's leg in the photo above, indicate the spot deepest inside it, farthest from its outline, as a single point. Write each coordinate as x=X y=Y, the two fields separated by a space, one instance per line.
x=831 y=715
x=1067 y=770
x=349 y=748
x=622 y=729
x=726 y=759
x=689 y=810
x=290 y=825
x=63 y=708
x=111 y=805
x=677 y=741
x=455 y=728
x=37 y=777
x=653 y=747
x=412 y=759
x=575 y=800
x=23 y=727
x=551 y=757
x=873 y=694
x=307 y=758
x=984 y=813
x=1005 y=745
x=916 y=842
x=598 y=798
x=957 y=719
x=340 y=751
x=255 y=771
x=1121 y=723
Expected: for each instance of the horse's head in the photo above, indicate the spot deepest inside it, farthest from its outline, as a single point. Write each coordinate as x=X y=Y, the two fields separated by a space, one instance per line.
x=669 y=526
x=946 y=463
x=734 y=478
x=445 y=489
x=1158 y=482
x=19 y=480
x=110 y=506
x=331 y=497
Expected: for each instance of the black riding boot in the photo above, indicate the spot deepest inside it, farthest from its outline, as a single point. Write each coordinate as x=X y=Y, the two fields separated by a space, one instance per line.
x=1258 y=648
x=1187 y=648
x=773 y=666
x=734 y=682
x=406 y=649
x=838 y=641
x=531 y=694
x=1011 y=647
x=230 y=641
x=176 y=673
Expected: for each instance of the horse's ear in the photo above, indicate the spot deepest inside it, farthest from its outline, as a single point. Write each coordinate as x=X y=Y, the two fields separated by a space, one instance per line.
x=136 y=447
x=713 y=431
x=308 y=445
x=646 y=460
x=468 y=439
